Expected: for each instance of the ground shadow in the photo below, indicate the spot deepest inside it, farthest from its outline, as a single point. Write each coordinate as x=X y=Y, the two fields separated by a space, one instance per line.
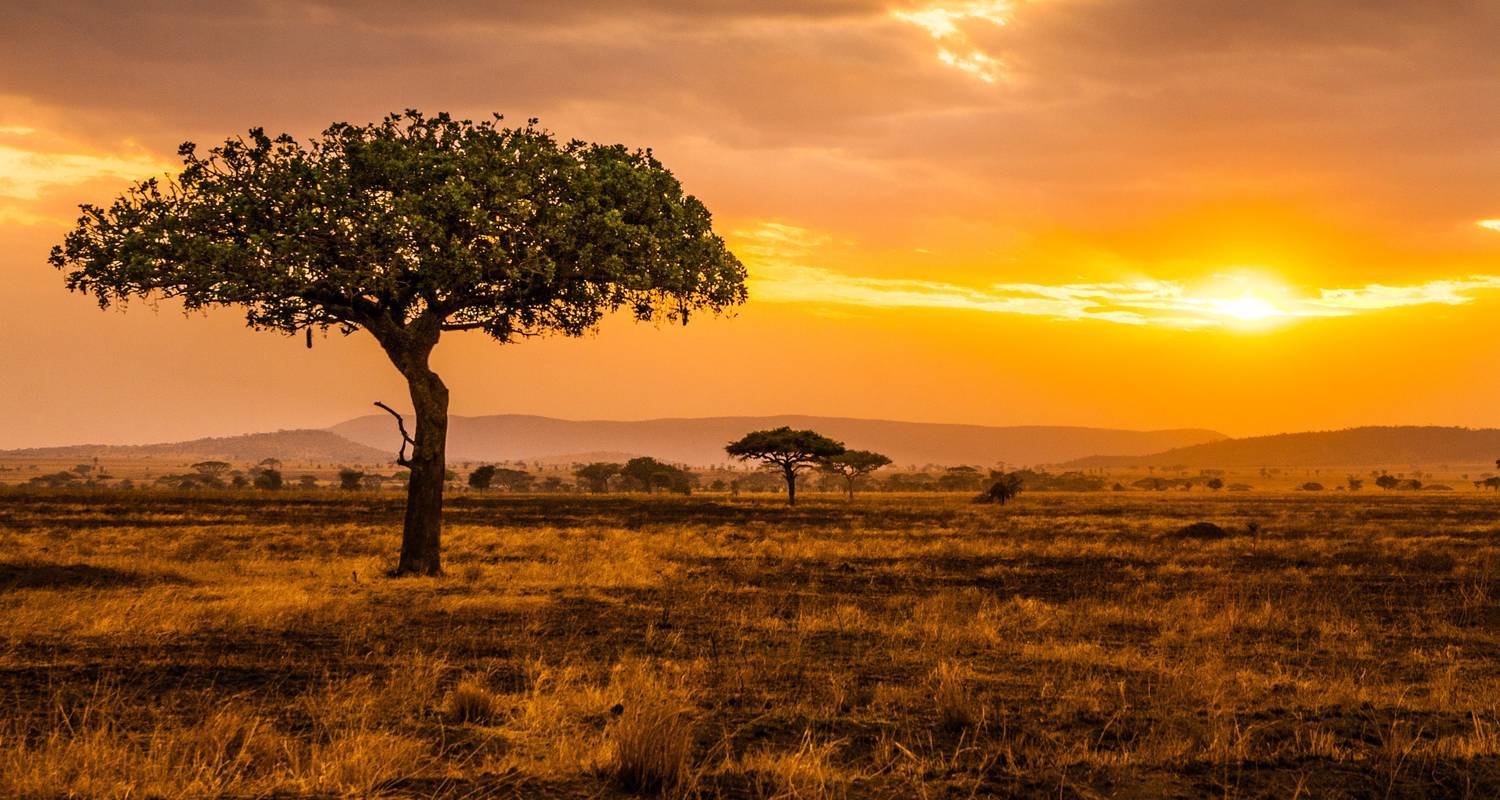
x=18 y=575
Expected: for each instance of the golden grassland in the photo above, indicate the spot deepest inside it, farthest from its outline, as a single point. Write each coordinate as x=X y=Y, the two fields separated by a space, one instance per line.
x=248 y=644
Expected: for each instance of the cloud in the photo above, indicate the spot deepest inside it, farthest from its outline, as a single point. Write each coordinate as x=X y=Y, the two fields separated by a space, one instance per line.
x=777 y=254
x=35 y=162
x=946 y=24
x=1378 y=297
x=1491 y=224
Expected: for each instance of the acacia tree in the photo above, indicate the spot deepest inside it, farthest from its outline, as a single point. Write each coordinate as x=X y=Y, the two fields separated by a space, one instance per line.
x=791 y=451
x=409 y=228
x=852 y=465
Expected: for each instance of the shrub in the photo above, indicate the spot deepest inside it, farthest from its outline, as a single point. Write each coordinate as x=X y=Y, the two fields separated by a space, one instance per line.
x=470 y=701
x=350 y=479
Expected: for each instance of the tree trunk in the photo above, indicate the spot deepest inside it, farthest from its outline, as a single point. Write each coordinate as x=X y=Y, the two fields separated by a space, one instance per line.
x=421 y=535
x=849 y=485
x=791 y=485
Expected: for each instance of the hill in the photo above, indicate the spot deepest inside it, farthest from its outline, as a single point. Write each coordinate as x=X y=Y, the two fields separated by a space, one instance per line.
x=296 y=445
x=699 y=442
x=1352 y=447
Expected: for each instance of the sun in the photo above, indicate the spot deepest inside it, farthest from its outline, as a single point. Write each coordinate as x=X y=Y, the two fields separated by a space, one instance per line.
x=1247 y=308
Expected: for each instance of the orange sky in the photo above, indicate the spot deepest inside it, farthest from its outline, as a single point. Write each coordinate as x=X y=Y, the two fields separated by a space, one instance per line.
x=1135 y=213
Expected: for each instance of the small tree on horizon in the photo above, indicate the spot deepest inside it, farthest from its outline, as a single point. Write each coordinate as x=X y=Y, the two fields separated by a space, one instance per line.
x=482 y=477
x=212 y=469
x=513 y=480
x=1004 y=489
x=791 y=451
x=852 y=465
x=410 y=228
x=650 y=474
x=268 y=478
x=596 y=476
x=350 y=479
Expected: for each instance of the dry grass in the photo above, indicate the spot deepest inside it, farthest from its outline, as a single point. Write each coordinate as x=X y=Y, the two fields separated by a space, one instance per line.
x=185 y=646
x=652 y=736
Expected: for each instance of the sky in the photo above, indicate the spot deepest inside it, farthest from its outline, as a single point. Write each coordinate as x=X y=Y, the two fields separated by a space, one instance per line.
x=1251 y=217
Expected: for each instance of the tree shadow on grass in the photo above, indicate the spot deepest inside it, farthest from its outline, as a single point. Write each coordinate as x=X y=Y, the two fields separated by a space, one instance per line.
x=19 y=575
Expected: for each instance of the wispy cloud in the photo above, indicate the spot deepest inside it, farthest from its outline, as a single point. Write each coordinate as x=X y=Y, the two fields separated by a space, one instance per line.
x=779 y=273
x=1492 y=224
x=945 y=23
x=33 y=162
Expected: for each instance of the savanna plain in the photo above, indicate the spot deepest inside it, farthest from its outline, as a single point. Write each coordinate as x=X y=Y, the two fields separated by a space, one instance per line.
x=248 y=644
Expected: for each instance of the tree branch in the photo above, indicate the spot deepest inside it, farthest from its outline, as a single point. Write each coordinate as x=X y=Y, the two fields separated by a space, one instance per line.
x=405 y=439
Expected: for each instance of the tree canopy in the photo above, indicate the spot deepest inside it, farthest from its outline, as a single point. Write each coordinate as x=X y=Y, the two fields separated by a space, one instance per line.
x=596 y=476
x=852 y=465
x=1005 y=486
x=452 y=224
x=649 y=474
x=482 y=476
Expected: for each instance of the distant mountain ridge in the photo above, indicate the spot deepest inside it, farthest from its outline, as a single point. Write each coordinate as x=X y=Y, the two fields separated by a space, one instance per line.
x=293 y=445
x=1409 y=445
x=700 y=441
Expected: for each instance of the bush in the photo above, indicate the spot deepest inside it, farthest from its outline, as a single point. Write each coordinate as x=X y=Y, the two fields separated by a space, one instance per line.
x=268 y=478
x=471 y=702
x=350 y=479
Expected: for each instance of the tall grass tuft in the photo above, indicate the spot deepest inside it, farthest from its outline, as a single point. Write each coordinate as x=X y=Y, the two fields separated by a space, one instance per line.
x=956 y=704
x=652 y=737
x=470 y=701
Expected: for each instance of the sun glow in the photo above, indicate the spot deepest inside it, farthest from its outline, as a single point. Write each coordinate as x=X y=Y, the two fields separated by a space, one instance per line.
x=783 y=269
x=1247 y=308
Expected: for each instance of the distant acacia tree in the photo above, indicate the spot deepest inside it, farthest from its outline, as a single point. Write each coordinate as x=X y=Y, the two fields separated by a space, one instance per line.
x=213 y=469
x=960 y=479
x=596 y=476
x=514 y=480
x=409 y=228
x=1354 y=484
x=307 y=482
x=1215 y=484
x=852 y=465
x=1387 y=482
x=790 y=451
x=482 y=477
